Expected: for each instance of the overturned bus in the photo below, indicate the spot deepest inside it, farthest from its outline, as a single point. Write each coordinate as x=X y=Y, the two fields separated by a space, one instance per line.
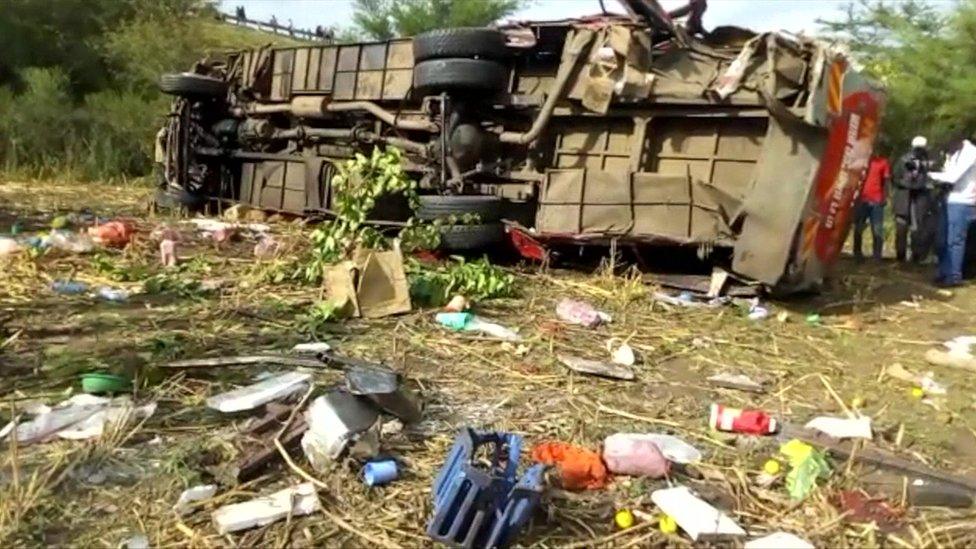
x=640 y=129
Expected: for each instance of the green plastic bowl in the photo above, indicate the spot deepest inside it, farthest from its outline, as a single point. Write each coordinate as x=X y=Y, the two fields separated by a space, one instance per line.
x=96 y=383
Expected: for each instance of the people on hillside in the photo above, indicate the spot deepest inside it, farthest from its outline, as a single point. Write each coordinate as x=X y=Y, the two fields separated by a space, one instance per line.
x=870 y=208
x=958 y=178
x=914 y=203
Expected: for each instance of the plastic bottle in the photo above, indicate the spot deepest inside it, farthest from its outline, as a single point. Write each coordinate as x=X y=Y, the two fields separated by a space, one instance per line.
x=734 y=420
x=630 y=454
x=112 y=294
x=69 y=287
x=70 y=242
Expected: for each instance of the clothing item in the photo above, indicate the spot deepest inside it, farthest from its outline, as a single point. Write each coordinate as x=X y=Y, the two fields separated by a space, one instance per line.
x=957 y=219
x=960 y=172
x=878 y=173
x=873 y=213
x=917 y=221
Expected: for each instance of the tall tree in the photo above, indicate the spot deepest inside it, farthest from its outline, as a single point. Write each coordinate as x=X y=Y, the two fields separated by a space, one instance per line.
x=383 y=19
x=924 y=54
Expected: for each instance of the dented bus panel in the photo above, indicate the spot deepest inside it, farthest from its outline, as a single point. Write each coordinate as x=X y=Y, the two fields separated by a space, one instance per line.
x=635 y=129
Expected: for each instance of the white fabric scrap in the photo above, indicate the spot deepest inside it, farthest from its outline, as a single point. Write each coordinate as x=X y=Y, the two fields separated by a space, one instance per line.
x=779 y=540
x=296 y=501
x=693 y=515
x=838 y=427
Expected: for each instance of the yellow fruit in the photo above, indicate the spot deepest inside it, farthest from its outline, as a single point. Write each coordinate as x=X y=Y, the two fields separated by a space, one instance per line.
x=918 y=392
x=667 y=524
x=624 y=519
x=857 y=402
x=771 y=467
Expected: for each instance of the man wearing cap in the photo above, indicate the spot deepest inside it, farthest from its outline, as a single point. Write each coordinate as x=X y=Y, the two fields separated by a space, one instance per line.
x=958 y=177
x=914 y=205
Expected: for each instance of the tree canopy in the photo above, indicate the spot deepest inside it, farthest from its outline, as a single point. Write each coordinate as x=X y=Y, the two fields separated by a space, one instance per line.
x=925 y=55
x=384 y=19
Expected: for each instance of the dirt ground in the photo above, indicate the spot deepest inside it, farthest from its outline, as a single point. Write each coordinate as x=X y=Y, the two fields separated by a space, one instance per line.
x=102 y=492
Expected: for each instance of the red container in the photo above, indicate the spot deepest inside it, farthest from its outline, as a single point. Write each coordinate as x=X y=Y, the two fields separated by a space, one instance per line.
x=734 y=420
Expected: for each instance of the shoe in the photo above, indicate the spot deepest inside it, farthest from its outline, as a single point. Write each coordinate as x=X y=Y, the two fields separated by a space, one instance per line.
x=945 y=283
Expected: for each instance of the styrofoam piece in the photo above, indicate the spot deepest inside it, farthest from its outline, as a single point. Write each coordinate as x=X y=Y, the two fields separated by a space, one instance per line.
x=252 y=396
x=779 y=540
x=839 y=427
x=295 y=501
x=312 y=348
x=695 y=516
x=190 y=495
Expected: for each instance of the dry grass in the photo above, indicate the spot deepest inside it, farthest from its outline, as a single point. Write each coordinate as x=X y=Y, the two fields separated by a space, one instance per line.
x=100 y=493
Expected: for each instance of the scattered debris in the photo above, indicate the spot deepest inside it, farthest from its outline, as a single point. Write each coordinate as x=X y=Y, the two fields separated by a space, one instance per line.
x=9 y=246
x=734 y=420
x=244 y=360
x=779 y=540
x=191 y=495
x=807 y=465
x=842 y=427
x=378 y=473
x=252 y=396
x=334 y=421
x=695 y=516
x=858 y=506
x=80 y=417
x=137 y=541
x=457 y=304
x=69 y=287
x=167 y=252
x=267 y=247
x=739 y=382
x=290 y=502
x=958 y=356
x=475 y=506
x=631 y=454
x=579 y=468
x=624 y=519
x=114 y=234
x=468 y=322
x=313 y=348
x=115 y=295
x=620 y=352
x=757 y=311
x=383 y=387
x=583 y=314
x=596 y=367
x=75 y=243
x=671 y=447
x=264 y=437
x=95 y=383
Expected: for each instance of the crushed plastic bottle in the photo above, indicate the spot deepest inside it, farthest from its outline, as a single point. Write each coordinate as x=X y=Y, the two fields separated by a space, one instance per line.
x=115 y=295
x=70 y=242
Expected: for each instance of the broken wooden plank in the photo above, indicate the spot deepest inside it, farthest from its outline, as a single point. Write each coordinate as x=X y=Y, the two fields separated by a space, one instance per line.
x=253 y=463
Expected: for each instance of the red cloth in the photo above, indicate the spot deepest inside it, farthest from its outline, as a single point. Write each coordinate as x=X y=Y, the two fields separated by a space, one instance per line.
x=879 y=170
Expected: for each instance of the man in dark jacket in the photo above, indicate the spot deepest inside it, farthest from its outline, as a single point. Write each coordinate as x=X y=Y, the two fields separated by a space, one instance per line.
x=914 y=204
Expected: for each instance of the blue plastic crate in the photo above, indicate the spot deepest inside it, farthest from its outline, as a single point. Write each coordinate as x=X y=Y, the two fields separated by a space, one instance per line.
x=484 y=504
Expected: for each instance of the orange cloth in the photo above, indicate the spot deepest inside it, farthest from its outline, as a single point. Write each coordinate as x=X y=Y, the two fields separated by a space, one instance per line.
x=579 y=468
